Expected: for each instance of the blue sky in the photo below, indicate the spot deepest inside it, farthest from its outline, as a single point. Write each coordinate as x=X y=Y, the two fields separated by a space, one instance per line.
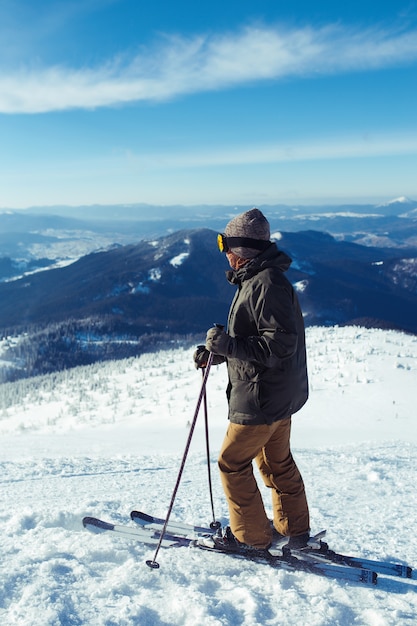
x=233 y=102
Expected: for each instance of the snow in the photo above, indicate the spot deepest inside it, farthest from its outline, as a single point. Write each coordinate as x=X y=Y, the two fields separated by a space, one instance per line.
x=178 y=260
x=59 y=264
x=400 y=200
x=104 y=439
x=334 y=214
x=155 y=274
x=301 y=285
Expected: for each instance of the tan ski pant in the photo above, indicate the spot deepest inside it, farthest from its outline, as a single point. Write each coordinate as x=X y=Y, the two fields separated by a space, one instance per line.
x=269 y=445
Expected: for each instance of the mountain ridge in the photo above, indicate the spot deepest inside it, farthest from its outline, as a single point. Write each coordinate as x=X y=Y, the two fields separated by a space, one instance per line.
x=45 y=236
x=121 y=301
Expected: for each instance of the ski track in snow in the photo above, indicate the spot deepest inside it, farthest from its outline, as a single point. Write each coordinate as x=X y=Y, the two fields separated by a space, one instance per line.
x=108 y=438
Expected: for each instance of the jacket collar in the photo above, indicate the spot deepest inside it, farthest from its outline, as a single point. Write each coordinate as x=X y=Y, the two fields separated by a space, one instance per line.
x=271 y=257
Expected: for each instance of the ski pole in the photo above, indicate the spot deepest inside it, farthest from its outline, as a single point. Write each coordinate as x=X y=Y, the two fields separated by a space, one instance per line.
x=214 y=525
x=153 y=564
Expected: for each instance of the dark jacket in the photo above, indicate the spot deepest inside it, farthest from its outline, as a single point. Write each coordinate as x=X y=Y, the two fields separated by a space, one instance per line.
x=268 y=373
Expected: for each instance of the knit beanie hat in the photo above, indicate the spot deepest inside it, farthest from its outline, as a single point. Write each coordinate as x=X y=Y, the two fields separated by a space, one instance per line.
x=252 y=224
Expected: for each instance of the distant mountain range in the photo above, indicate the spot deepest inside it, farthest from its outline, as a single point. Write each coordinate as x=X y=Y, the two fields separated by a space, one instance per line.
x=122 y=300
x=41 y=236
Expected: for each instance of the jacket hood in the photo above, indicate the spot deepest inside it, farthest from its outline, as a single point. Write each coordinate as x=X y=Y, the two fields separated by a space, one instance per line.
x=271 y=257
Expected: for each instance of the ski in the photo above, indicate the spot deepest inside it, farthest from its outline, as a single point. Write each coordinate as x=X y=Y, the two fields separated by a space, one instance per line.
x=381 y=567
x=177 y=528
x=188 y=530
x=150 y=536
x=322 y=554
x=144 y=535
x=291 y=562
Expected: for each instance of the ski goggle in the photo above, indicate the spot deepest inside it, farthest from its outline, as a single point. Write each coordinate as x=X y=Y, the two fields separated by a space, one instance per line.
x=226 y=243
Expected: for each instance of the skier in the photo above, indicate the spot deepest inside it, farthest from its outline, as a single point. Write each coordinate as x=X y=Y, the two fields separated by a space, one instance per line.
x=264 y=348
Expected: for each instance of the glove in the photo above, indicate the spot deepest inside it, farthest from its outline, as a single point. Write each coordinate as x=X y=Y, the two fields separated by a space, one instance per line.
x=201 y=356
x=219 y=342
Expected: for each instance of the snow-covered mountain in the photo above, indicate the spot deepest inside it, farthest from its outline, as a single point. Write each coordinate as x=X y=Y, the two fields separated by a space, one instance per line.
x=103 y=439
x=86 y=283
x=400 y=201
x=122 y=301
x=65 y=233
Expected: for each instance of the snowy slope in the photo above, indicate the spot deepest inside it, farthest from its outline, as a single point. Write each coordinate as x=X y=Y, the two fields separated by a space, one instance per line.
x=107 y=438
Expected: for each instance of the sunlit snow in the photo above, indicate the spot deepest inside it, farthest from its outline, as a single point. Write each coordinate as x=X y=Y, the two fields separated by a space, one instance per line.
x=178 y=260
x=103 y=439
x=155 y=274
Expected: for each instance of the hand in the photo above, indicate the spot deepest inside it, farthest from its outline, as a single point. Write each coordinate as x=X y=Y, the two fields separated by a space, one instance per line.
x=201 y=356
x=219 y=342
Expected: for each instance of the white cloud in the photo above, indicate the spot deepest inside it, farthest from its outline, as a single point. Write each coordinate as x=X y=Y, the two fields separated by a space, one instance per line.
x=318 y=149
x=177 y=66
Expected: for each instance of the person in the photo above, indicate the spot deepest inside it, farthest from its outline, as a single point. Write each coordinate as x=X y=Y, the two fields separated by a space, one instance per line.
x=264 y=348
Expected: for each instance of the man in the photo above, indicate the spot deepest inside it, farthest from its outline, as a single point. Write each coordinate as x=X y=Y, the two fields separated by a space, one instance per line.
x=264 y=348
